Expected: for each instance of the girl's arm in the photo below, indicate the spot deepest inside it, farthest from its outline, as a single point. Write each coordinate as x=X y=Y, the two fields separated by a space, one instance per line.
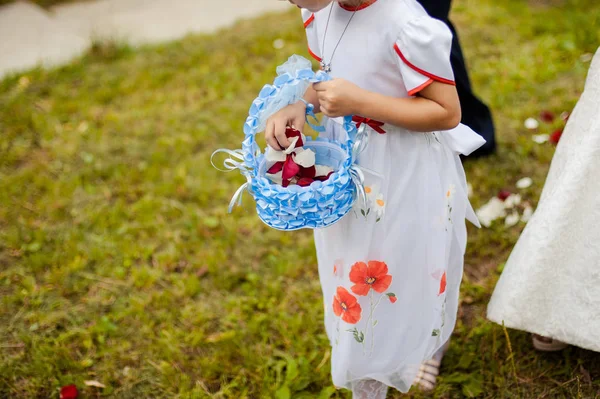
x=435 y=108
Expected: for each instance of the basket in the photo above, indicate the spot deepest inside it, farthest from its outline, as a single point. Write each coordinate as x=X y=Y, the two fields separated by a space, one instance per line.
x=320 y=204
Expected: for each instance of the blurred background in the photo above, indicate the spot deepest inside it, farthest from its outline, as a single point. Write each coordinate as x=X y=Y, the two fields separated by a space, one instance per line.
x=121 y=273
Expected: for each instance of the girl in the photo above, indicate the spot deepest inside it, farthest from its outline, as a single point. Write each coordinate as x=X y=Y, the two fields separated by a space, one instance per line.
x=390 y=270
x=551 y=282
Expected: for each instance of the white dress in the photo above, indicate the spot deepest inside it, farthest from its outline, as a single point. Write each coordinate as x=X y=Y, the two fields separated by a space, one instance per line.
x=391 y=269
x=551 y=283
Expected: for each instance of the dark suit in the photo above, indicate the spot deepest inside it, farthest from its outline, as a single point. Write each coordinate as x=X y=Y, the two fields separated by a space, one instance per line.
x=475 y=113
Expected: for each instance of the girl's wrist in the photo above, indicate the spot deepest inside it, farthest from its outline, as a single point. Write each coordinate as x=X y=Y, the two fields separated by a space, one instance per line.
x=359 y=101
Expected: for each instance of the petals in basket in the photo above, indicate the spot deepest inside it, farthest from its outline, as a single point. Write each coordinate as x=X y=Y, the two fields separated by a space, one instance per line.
x=305 y=181
x=307 y=172
x=276 y=168
x=323 y=170
x=305 y=158
x=290 y=169
x=276 y=177
x=272 y=155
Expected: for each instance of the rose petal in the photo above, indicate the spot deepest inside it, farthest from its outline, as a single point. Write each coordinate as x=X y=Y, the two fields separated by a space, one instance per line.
x=305 y=181
x=547 y=116
x=276 y=168
x=69 y=392
x=305 y=157
x=275 y=177
x=278 y=44
x=290 y=168
x=323 y=170
x=524 y=183
x=273 y=155
x=527 y=214
x=531 y=123
x=512 y=201
x=323 y=178
x=491 y=211
x=586 y=57
x=307 y=172
x=503 y=195
x=555 y=137
x=93 y=383
x=292 y=146
x=512 y=219
x=540 y=138
x=290 y=132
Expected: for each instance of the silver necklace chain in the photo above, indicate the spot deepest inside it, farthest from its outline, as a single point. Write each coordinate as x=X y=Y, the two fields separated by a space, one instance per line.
x=327 y=66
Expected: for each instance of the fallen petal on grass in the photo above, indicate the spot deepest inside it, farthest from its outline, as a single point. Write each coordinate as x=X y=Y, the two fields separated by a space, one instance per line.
x=525 y=182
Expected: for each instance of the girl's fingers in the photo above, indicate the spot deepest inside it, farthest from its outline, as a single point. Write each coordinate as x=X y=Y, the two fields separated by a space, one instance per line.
x=298 y=123
x=282 y=140
x=270 y=135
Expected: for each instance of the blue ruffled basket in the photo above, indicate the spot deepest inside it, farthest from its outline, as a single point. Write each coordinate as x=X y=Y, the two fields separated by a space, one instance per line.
x=318 y=205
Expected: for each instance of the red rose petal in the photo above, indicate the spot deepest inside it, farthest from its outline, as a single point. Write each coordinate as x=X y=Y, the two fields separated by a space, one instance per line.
x=307 y=172
x=68 y=392
x=323 y=178
x=290 y=132
x=547 y=116
x=276 y=168
x=504 y=194
x=305 y=181
x=555 y=137
x=290 y=168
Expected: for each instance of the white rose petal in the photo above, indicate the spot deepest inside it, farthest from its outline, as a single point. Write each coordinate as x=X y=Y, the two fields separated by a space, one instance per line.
x=292 y=146
x=272 y=155
x=491 y=211
x=304 y=157
x=524 y=183
x=512 y=219
x=512 y=201
x=587 y=57
x=527 y=214
x=531 y=123
x=323 y=170
x=540 y=138
x=276 y=178
x=278 y=44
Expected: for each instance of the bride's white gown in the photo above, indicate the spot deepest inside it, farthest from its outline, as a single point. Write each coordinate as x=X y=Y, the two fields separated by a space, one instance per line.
x=551 y=283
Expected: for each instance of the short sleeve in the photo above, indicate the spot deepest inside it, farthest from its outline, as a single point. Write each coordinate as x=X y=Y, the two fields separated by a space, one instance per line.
x=423 y=49
x=311 y=34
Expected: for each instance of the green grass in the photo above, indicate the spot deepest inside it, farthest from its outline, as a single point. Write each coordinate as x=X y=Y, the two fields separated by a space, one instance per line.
x=119 y=263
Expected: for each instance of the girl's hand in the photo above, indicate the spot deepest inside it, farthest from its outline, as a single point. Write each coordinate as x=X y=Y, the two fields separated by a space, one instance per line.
x=338 y=97
x=292 y=115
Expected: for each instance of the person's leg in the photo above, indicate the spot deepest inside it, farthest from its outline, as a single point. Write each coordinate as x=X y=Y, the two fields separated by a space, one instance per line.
x=475 y=113
x=430 y=370
x=369 y=389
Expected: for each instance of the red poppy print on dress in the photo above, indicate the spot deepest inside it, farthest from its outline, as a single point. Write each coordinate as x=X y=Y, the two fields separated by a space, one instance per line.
x=442 y=284
x=372 y=275
x=346 y=306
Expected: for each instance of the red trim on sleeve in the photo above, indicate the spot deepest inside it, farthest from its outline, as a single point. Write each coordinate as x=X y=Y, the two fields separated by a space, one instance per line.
x=418 y=89
x=309 y=21
x=316 y=57
x=422 y=72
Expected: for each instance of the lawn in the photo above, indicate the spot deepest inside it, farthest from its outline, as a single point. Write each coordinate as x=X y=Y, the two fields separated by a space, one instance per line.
x=120 y=264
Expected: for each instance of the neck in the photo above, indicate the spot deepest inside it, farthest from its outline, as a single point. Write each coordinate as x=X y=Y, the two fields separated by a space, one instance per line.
x=353 y=3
